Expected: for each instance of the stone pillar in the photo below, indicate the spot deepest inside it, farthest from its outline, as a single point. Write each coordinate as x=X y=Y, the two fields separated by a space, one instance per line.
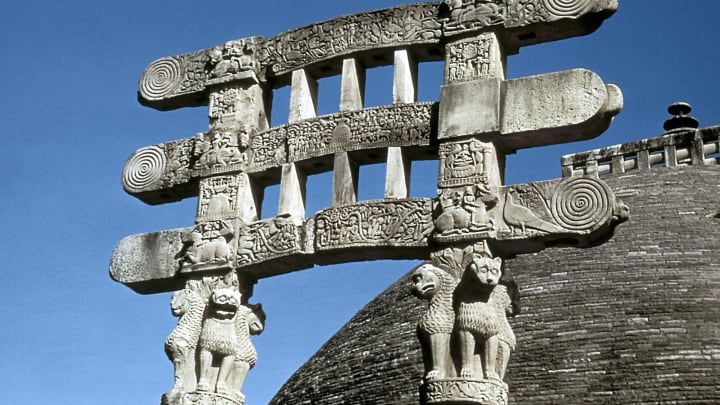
x=352 y=97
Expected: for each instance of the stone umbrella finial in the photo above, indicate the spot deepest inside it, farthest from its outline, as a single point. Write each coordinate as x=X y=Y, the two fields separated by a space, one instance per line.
x=680 y=118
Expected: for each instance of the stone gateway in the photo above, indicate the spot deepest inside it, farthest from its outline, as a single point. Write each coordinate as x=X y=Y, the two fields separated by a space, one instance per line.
x=465 y=235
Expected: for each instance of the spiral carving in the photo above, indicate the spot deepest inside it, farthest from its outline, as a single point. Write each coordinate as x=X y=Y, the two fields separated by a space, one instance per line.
x=144 y=168
x=566 y=8
x=160 y=78
x=582 y=203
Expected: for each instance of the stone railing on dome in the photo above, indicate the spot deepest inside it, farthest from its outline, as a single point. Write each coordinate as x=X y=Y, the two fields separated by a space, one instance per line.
x=680 y=145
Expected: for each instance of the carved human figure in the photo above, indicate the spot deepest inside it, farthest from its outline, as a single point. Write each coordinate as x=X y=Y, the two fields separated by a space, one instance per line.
x=250 y=320
x=435 y=328
x=478 y=323
x=189 y=306
x=218 y=339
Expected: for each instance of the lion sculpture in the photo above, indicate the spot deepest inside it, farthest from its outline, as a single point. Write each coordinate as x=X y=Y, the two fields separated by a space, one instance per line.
x=436 y=325
x=189 y=305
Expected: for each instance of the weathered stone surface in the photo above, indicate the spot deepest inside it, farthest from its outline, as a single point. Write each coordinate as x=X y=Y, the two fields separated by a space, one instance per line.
x=183 y=80
x=526 y=111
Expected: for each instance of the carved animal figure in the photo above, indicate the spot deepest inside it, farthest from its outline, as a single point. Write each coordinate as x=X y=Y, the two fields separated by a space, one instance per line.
x=436 y=325
x=502 y=303
x=478 y=322
x=250 y=320
x=208 y=246
x=218 y=339
x=180 y=346
x=516 y=215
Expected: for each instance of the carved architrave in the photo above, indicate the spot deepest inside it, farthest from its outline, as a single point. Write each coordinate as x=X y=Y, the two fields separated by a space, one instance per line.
x=396 y=223
x=469 y=15
x=401 y=125
x=271 y=239
x=218 y=198
x=411 y=24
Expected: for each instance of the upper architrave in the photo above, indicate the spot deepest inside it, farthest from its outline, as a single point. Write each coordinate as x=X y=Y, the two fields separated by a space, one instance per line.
x=183 y=80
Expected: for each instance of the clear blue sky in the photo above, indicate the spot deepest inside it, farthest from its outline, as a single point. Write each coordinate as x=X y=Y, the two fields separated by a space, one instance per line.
x=69 y=119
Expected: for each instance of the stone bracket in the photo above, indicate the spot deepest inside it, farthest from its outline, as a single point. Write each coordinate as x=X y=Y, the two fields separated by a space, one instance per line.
x=541 y=110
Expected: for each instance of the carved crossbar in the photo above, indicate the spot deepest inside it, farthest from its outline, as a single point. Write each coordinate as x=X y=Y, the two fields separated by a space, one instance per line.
x=475 y=222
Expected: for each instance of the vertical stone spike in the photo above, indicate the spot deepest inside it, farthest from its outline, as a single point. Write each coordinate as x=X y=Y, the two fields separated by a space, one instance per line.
x=303 y=96
x=352 y=90
x=404 y=77
x=345 y=175
x=397 y=181
x=249 y=200
x=292 y=192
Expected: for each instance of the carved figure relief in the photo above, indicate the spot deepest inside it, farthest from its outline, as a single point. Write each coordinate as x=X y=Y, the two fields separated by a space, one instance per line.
x=464 y=163
x=465 y=214
x=465 y=15
x=222 y=151
x=397 y=223
x=469 y=60
x=269 y=239
x=230 y=60
x=206 y=247
x=218 y=198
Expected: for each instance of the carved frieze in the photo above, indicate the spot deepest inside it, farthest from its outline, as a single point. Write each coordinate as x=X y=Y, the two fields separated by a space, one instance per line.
x=466 y=213
x=388 y=223
x=463 y=390
x=401 y=125
x=266 y=240
x=468 y=15
x=411 y=24
x=524 y=12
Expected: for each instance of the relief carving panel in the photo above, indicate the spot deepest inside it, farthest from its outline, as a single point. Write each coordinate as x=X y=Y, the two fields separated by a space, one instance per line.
x=266 y=240
x=401 y=125
x=398 y=26
x=396 y=223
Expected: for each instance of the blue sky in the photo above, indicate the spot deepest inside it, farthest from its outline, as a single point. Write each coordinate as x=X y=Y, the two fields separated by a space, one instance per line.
x=69 y=119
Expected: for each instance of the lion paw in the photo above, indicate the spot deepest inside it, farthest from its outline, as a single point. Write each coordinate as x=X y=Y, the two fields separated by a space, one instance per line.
x=432 y=374
x=466 y=372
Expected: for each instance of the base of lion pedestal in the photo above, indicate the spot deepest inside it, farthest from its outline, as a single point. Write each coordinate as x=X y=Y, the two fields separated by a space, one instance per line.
x=460 y=391
x=202 y=398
